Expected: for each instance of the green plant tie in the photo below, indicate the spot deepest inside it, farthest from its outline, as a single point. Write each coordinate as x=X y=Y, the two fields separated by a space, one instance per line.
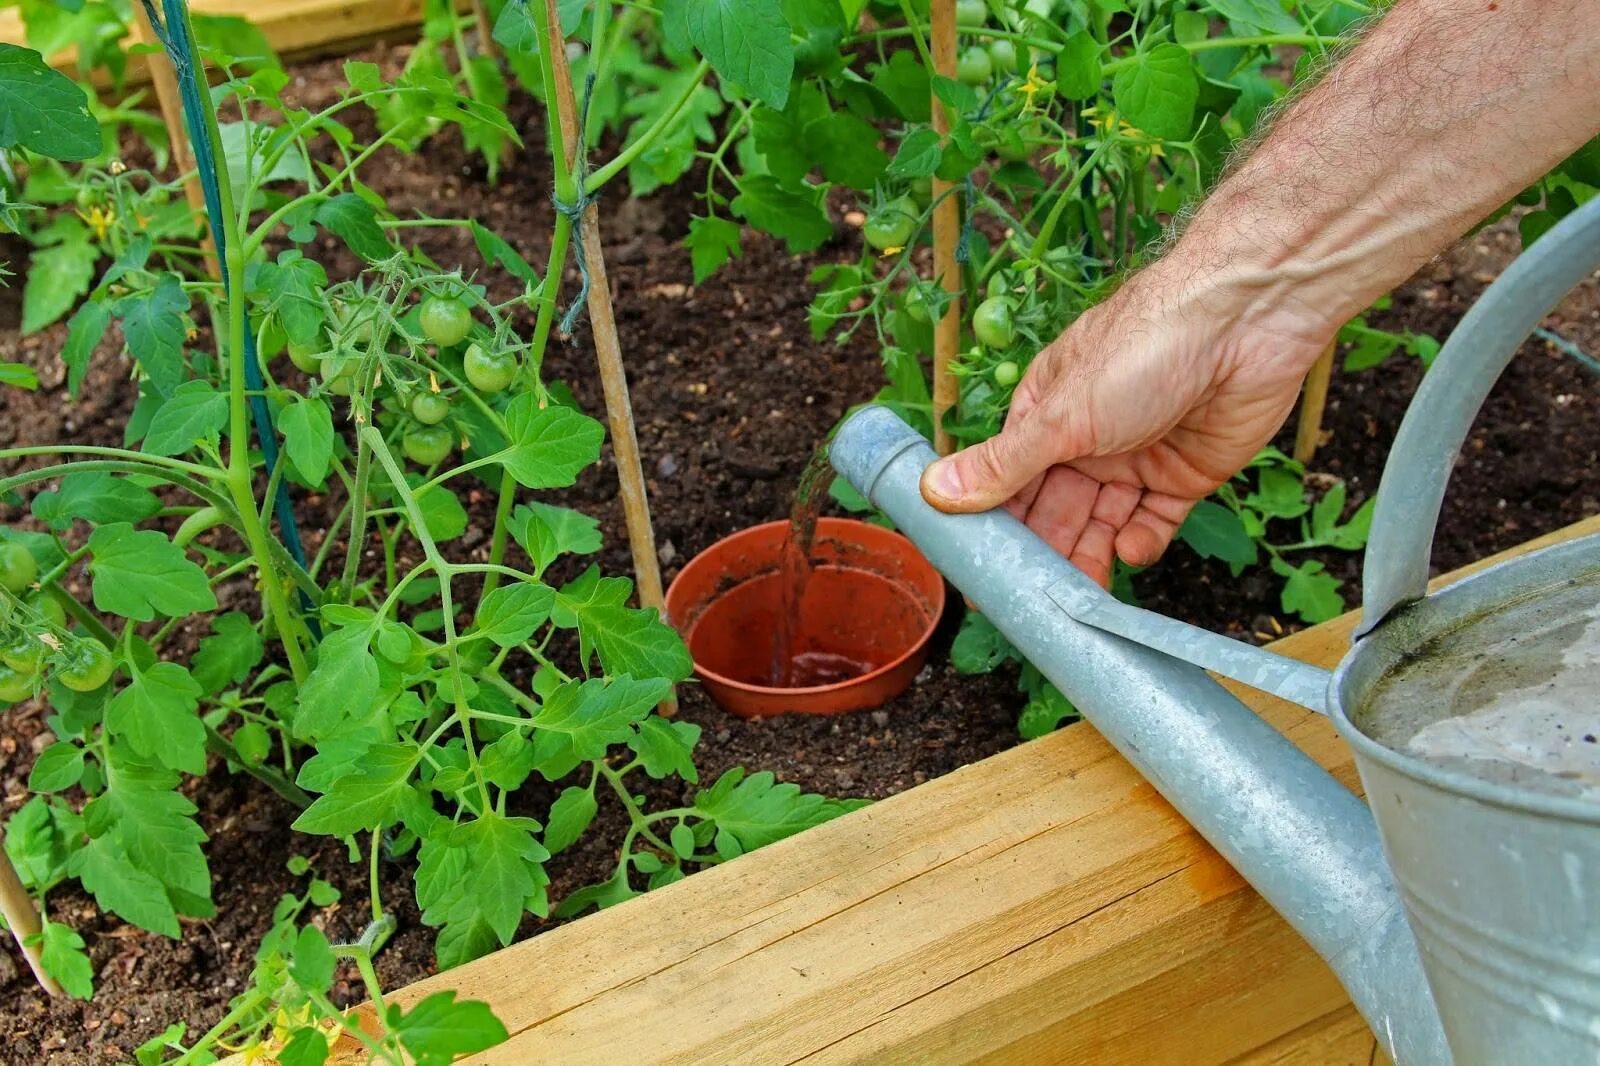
x=172 y=29
x=574 y=210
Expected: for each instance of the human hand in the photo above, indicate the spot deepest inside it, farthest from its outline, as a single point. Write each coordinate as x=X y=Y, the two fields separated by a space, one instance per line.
x=1141 y=408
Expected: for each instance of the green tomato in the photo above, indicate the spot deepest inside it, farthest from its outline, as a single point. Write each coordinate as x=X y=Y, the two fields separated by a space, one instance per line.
x=304 y=357
x=974 y=67
x=922 y=192
x=992 y=324
x=489 y=372
x=892 y=225
x=14 y=687
x=50 y=608
x=445 y=322
x=88 y=665
x=339 y=375
x=430 y=408
x=1003 y=54
x=87 y=197
x=971 y=12
x=427 y=445
x=1006 y=374
x=18 y=569
x=24 y=653
x=917 y=304
x=1012 y=146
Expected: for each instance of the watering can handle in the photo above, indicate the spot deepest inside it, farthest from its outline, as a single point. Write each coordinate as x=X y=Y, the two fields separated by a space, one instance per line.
x=1395 y=571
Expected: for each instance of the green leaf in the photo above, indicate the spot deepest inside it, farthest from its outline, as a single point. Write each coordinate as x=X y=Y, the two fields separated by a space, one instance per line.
x=682 y=841
x=153 y=323
x=979 y=647
x=307 y=428
x=1157 y=91
x=439 y=1029
x=373 y=796
x=959 y=96
x=1309 y=591
x=129 y=893
x=666 y=748
x=1044 y=713
x=57 y=277
x=1215 y=532
x=1078 y=69
x=57 y=768
x=570 y=815
x=590 y=716
x=747 y=42
x=918 y=155
x=1281 y=494
x=156 y=715
x=140 y=573
x=307 y=1046
x=712 y=241
x=196 y=412
x=292 y=289
x=508 y=761
x=504 y=867
x=98 y=497
x=608 y=893
x=494 y=248
x=628 y=641
x=312 y=964
x=228 y=654
x=798 y=220
x=1267 y=16
x=64 y=959
x=252 y=742
x=547 y=532
x=85 y=330
x=42 y=110
x=549 y=446
x=756 y=810
x=341 y=686
x=847 y=149
x=442 y=512
x=18 y=376
x=904 y=80
x=356 y=223
x=511 y=613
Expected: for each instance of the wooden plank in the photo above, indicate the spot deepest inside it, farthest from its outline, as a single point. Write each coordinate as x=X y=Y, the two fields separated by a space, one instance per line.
x=1044 y=905
x=293 y=27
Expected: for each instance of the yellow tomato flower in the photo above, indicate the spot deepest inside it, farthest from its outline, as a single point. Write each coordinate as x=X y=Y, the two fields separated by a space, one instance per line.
x=99 y=220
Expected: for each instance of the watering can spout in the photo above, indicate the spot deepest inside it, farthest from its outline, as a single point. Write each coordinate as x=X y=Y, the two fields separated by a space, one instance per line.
x=1304 y=841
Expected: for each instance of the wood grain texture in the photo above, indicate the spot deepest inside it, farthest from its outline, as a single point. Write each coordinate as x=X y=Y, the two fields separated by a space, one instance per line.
x=1044 y=905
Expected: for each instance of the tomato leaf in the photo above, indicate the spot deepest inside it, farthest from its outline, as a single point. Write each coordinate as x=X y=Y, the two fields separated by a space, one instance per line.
x=229 y=653
x=57 y=277
x=757 y=810
x=439 y=1029
x=1157 y=92
x=666 y=748
x=799 y=220
x=372 y=796
x=85 y=330
x=712 y=241
x=157 y=715
x=64 y=959
x=918 y=155
x=153 y=324
x=307 y=428
x=1215 y=532
x=356 y=223
x=570 y=815
x=979 y=647
x=140 y=573
x=196 y=412
x=96 y=496
x=547 y=532
x=511 y=613
x=627 y=640
x=42 y=110
x=746 y=41
x=342 y=685
x=549 y=446
x=58 y=767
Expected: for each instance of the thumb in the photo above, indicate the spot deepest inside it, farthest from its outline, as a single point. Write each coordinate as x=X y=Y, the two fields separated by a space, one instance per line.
x=986 y=475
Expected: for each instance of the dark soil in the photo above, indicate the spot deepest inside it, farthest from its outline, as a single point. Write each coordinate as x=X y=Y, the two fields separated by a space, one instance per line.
x=731 y=396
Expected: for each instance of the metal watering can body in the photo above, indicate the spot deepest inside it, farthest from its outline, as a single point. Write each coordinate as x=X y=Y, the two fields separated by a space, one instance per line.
x=1501 y=886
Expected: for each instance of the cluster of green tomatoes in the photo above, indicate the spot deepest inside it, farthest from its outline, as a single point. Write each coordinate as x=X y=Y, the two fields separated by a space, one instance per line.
x=34 y=637
x=443 y=321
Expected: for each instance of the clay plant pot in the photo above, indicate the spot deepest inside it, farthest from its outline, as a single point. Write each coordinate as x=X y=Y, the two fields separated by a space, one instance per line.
x=871 y=599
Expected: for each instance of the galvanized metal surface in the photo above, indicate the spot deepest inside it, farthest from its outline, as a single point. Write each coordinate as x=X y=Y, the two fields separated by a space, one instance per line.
x=1303 y=840
x=1441 y=414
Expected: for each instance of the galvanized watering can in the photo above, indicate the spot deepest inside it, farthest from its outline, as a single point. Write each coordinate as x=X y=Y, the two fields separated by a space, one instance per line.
x=1461 y=910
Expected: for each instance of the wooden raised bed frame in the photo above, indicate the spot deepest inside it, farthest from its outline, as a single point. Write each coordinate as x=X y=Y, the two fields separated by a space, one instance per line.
x=1044 y=905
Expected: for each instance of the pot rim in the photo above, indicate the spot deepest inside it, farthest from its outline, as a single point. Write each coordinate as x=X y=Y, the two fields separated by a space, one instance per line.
x=838 y=526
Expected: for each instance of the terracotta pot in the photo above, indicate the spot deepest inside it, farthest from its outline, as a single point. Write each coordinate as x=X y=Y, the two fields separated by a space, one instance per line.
x=872 y=599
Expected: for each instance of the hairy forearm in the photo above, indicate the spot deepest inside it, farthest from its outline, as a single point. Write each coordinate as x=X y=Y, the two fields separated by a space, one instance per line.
x=1443 y=112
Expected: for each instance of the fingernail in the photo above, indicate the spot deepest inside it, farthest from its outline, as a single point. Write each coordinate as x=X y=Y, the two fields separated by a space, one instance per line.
x=943 y=480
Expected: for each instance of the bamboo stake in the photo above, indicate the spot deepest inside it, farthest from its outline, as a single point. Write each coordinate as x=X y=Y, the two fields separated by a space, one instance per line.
x=486 y=43
x=166 y=86
x=608 y=353
x=946 y=233
x=1314 y=398
x=22 y=918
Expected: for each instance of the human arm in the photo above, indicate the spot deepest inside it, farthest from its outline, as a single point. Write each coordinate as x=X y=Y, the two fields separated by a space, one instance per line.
x=1443 y=111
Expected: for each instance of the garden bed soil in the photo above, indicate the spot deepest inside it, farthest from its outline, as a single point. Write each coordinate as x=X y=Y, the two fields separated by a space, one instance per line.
x=731 y=396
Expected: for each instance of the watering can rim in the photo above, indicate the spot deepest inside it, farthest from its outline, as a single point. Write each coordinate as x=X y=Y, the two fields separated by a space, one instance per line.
x=1459 y=782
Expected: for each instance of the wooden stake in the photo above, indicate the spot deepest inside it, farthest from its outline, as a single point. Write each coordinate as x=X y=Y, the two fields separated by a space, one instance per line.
x=946 y=234
x=608 y=353
x=166 y=86
x=1314 y=398
x=486 y=43
x=22 y=918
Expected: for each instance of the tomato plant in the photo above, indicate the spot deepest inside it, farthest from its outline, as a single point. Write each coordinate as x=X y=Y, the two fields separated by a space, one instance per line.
x=409 y=699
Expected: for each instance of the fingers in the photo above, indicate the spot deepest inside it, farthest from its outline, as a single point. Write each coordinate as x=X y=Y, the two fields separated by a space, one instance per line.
x=986 y=475
x=1151 y=528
